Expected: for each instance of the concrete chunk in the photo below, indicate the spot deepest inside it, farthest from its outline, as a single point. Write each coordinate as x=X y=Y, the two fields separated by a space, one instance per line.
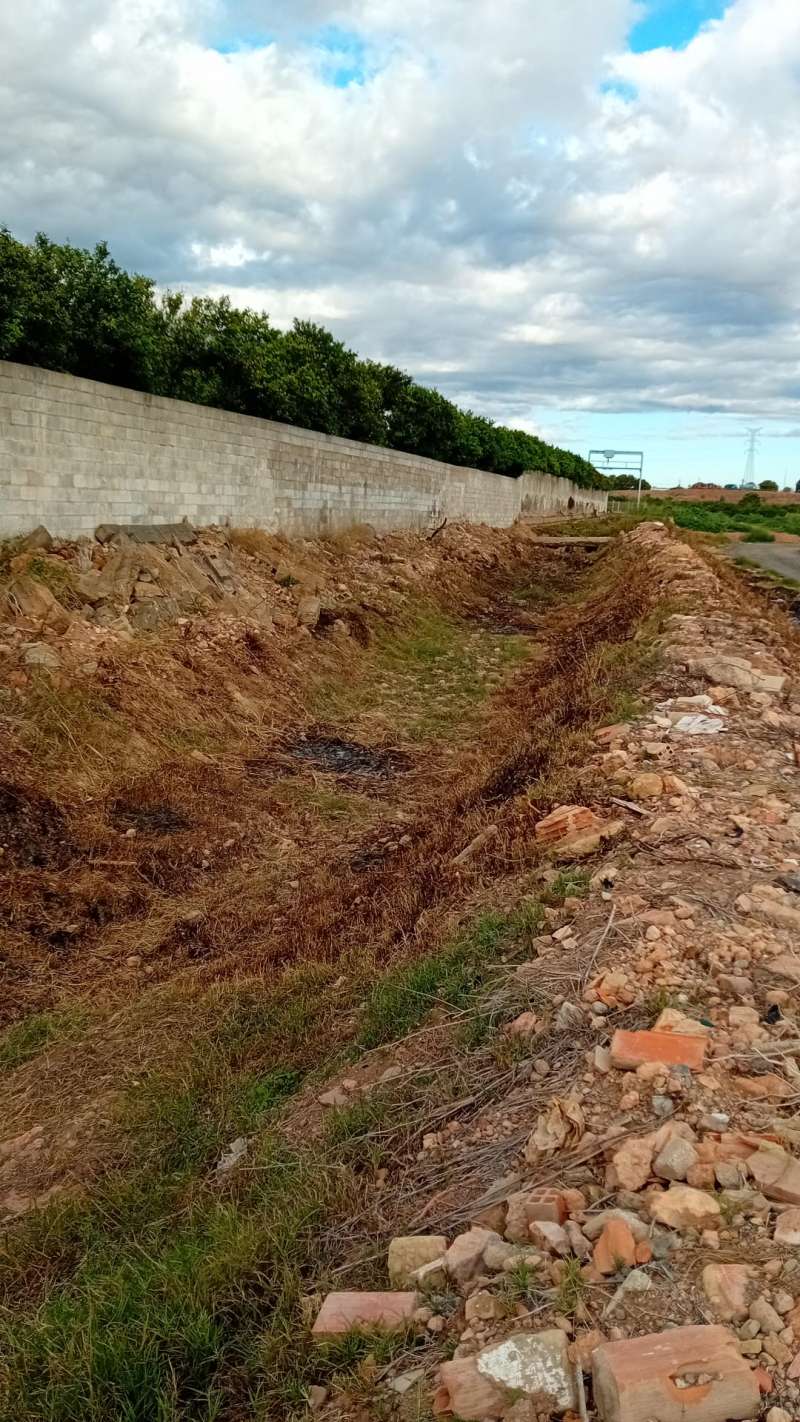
x=536 y=1365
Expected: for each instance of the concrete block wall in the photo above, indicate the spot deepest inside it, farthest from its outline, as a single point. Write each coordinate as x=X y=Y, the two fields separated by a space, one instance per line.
x=75 y=453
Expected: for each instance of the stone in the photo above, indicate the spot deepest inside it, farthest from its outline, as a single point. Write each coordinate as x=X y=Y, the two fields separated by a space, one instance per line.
x=647 y=786
x=787 y=1227
x=523 y=1026
x=316 y=1397
x=595 y=1224
x=768 y=1087
x=32 y=600
x=725 y=1287
x=615 y=1249
x=404 y=1382
x=482 y=1306
x=778 y=1414
x=632 y=1163
x=309 y=609
x=526 y=1206
x=39 y=654
x=39 y=540
x=536 y=1365
x=464 y=1258
x=630 y=1050
x=408 y=1253
x=777 y=1175
x=655 y=1376
x=551 y=1237
x=342 y=1312
x=675 y=1159
x=767 y=1318
x=786 y=965
x=683 y=1207
x=464 y=1391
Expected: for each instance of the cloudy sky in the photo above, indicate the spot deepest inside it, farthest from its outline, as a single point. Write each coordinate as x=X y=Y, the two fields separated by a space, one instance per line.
x=579 y=216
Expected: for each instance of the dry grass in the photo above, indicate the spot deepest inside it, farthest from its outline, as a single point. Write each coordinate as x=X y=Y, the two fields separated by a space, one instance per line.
x=166 y=1294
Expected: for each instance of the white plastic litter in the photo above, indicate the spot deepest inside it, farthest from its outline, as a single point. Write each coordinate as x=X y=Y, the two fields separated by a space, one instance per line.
x=699 y=726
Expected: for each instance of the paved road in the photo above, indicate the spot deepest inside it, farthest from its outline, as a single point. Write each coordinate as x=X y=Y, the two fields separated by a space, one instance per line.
x=783 y=558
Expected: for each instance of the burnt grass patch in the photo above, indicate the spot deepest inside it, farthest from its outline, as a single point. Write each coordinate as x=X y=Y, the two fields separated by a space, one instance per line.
x=336 y=756
x=149 y=819
x=33 y=831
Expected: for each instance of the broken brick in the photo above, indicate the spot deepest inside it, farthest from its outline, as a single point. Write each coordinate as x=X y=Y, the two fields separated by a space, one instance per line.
x=656 y=1376
x=526 y=1206
x=630 y=1050
x=777 y=1175
x=564 y=821
x=342 y=1312
x=465 y=1392
x=615 y=1249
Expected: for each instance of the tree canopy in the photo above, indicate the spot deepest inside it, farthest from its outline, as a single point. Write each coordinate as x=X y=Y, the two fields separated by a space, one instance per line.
x=73 y=310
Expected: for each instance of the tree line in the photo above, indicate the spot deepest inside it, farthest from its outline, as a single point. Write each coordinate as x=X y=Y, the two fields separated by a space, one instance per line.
x=69 y=309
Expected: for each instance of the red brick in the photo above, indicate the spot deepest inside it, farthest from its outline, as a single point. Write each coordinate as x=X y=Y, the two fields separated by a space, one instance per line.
x=566 y=820
x=635 y=1380
x=342 y=1312
x=630 y=1050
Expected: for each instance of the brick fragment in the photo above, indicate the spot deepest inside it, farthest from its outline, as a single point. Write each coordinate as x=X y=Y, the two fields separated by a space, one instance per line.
x=630 y=1050
x=564 y=821
x=656 y=1376
x=777 y=1175
x=615 y=1249
x=525 y=1206
x=342 y=1312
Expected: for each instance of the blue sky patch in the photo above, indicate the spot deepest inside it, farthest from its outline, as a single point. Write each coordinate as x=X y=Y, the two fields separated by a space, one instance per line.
x=343 y=55
x=674 y=23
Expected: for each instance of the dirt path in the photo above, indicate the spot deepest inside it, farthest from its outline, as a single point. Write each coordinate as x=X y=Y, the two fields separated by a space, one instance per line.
x=780 y=558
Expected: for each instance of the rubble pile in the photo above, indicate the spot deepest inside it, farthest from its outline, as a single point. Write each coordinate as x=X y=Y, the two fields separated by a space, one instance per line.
x=635 y=1255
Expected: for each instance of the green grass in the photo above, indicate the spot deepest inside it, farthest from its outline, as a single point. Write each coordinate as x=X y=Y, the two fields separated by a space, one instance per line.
x=567 y=884
x=521 y=1285
x=26 y=1039
x=404 y=997
x=57 y=577
x=171 y=1301
x=434 y=669
x=758 y=535
x=572 y=1288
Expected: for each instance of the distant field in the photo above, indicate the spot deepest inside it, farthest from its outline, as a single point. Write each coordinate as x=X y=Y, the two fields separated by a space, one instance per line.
x=756 y=516
x=705 y=496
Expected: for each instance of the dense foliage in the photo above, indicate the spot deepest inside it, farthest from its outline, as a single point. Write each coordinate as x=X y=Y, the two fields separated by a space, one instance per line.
x=69 y=309
x=748 y=515
x=625 y=481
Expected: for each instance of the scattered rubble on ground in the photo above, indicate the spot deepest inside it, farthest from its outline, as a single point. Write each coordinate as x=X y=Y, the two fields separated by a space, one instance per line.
x=626 y=1249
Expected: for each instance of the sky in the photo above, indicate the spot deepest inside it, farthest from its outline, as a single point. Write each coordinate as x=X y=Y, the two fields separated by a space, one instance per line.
x=580 y=217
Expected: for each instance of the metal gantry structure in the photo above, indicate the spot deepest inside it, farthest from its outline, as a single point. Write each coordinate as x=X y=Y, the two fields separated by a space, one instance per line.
x=620 y=461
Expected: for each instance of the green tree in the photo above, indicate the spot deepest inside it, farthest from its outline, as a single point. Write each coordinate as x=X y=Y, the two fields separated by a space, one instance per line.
x=66 y=308
x=768 y=486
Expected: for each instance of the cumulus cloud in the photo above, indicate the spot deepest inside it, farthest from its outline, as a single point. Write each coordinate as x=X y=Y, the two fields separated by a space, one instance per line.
x=499 y=196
